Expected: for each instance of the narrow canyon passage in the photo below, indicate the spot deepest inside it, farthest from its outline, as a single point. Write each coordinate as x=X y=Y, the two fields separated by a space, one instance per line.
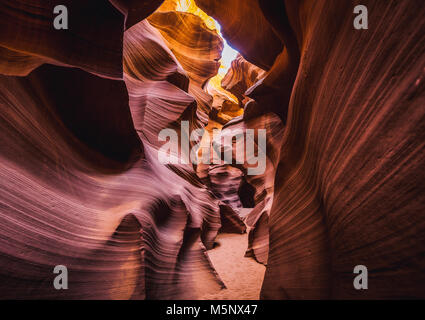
x=212 y=149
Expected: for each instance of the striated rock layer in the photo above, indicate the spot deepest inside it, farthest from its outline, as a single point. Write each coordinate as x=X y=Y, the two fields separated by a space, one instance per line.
x=81 y=184
x=349 y=185
x=241 y=76
x=255 y=191
x=80 y=177
x=197 y=48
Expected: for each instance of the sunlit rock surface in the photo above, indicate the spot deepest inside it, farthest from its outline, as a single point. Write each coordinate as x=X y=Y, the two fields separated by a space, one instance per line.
x=197 y=48
x=82 y=186
x=241 y=76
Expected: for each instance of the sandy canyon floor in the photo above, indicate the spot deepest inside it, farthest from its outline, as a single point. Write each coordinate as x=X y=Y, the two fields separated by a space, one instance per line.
x=242 y=276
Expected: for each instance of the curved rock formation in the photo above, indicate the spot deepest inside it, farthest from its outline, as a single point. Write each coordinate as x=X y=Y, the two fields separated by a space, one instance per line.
x=259 y=187
x=93 y=206
x=82 y=185
x=241 y=76
x=349 y=187
x=251 y=35
x=197 y=48
x=136 y=10
x=95 y=42
x=157 y=104
x=349 y=182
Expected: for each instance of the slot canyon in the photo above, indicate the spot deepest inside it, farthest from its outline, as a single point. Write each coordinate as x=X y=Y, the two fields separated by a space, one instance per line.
x=82 y=186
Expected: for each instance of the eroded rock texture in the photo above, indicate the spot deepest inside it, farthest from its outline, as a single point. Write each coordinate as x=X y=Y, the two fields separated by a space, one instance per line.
x=241 y=76
x=252 y=36
x=82 y=186
x=198 y=49
x=349 y=187
x=81 y=182
x=255 y=191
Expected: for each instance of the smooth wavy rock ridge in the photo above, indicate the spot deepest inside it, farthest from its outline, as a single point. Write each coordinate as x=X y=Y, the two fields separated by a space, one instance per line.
x=348 y=188
x=81 y=183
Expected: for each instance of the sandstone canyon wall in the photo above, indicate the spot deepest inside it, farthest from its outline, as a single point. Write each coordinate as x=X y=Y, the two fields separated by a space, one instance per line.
x=349 y=185
x=81 y=184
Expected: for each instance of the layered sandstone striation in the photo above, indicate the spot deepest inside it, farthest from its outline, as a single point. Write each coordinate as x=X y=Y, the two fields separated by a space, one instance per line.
x=241 y=76
x=254 y=190
x=81 y=181
x=348 y=188
x=349 y=185
x=82 y=186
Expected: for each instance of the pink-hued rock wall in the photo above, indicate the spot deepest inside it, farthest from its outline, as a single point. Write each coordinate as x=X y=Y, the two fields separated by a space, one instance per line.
x=82 y=186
